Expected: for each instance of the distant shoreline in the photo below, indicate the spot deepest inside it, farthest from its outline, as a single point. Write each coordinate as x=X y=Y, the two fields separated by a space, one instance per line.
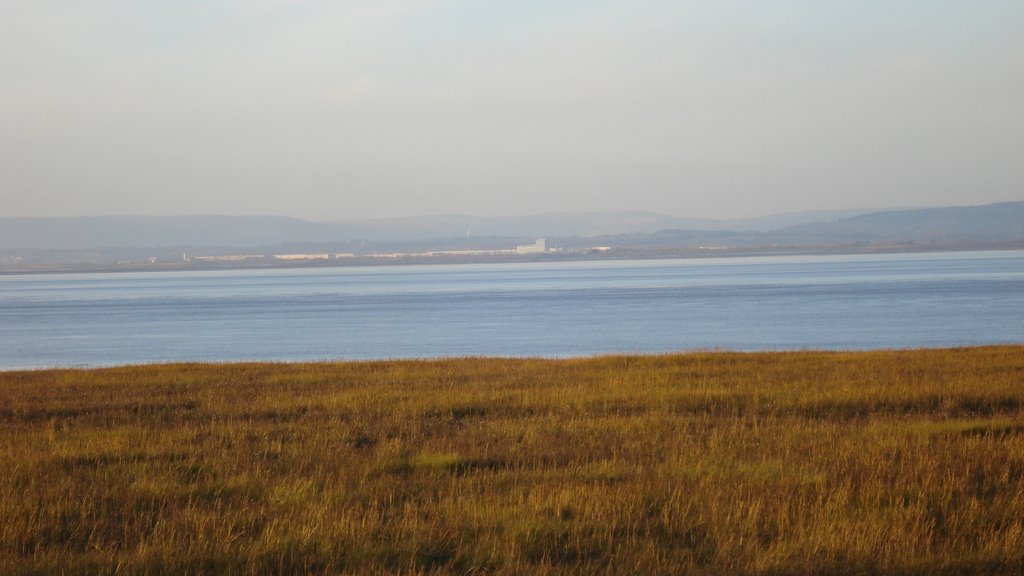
x=567 y=256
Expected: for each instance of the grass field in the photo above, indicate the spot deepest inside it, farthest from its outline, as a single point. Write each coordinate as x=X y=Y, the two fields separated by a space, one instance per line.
x=891 y=462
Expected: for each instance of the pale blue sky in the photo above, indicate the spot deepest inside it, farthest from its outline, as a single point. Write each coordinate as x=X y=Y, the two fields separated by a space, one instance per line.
x=351 y=109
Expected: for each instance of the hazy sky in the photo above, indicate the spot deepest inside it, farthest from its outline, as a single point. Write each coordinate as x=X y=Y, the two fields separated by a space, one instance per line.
x=364 y=108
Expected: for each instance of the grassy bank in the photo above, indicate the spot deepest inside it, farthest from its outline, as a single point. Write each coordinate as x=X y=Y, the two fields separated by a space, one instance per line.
x=876 y=462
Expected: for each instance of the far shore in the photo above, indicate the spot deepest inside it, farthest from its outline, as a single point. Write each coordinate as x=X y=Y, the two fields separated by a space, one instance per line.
x=551 y=256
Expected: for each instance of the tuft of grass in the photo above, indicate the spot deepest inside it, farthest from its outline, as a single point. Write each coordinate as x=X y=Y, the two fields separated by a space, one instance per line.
x=894 y=462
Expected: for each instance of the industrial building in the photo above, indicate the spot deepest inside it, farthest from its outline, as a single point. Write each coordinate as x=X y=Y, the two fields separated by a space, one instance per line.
x=538 y=247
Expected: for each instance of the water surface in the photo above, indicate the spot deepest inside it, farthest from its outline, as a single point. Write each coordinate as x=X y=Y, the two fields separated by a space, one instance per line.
x=536 y=309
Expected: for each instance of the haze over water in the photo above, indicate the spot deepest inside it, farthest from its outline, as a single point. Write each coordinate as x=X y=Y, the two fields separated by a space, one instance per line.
x=539 y=309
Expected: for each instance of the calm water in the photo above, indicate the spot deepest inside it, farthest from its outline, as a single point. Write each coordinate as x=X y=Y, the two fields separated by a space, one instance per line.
x=545 y=309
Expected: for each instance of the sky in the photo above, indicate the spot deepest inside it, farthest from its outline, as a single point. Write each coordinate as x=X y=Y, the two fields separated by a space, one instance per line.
x=351 y=109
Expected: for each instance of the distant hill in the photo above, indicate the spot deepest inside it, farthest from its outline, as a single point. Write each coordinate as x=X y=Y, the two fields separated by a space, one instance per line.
x=994 y=222
x=85 y=233
x=1002 y=221
x=155 y=231
x=565 y=224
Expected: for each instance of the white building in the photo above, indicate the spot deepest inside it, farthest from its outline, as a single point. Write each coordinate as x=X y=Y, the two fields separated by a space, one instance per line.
x=302 y=256
x=228 y=258
x=538 y=247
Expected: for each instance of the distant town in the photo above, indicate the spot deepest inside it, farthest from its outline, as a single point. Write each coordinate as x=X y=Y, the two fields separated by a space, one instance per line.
x=538 y=247
x=30 y=245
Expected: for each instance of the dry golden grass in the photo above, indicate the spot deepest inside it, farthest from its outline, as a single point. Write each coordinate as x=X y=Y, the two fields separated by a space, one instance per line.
x=777 y=463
